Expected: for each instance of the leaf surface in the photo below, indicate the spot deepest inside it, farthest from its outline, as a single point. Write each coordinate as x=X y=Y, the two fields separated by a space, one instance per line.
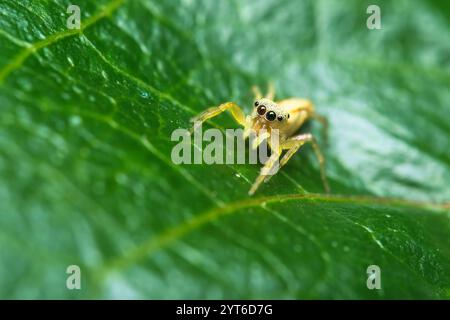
x=87 y=177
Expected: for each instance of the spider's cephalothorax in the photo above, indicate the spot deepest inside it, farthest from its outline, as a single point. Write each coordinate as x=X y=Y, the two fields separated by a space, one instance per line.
x=287 y=116
x=267 y=115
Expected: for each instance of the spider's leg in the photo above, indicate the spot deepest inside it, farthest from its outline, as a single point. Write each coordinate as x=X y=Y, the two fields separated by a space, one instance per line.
x=209 y=113
x=257 y=92
x=269 y=95
x=258 y=139
x=324 y=121
x=267 y=170
x=293 y=144
x=270 y=91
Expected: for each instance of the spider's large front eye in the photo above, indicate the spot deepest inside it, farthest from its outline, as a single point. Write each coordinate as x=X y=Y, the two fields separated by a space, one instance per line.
x=271 y=115
x=261 y=110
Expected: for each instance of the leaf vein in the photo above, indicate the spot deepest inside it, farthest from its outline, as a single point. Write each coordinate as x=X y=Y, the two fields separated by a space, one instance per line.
x=22 y=56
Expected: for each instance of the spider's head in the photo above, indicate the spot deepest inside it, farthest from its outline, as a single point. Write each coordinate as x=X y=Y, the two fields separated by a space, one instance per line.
x=268 y=115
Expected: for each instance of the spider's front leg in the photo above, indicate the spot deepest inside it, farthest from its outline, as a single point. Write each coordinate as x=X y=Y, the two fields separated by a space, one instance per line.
x=293 y=144
x=269 y=169
x=209 y=113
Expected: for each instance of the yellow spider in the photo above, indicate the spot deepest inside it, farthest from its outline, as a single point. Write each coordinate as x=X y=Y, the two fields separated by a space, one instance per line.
x=287 y=116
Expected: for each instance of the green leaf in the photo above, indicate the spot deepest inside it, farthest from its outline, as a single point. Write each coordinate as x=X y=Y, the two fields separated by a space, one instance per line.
x=87 y=178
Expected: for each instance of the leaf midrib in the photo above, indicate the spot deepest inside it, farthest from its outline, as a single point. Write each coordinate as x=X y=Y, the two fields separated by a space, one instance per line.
x=166 y=238
x=159 y=241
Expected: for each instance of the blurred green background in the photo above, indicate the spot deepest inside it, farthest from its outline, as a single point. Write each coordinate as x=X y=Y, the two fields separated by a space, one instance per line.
x=85 y=171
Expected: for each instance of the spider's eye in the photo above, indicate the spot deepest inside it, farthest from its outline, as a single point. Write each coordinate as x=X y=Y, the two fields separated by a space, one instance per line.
x=280 y=118
x=289 y=115
x=256 y=103
x=271 y=115
x=261 y=110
